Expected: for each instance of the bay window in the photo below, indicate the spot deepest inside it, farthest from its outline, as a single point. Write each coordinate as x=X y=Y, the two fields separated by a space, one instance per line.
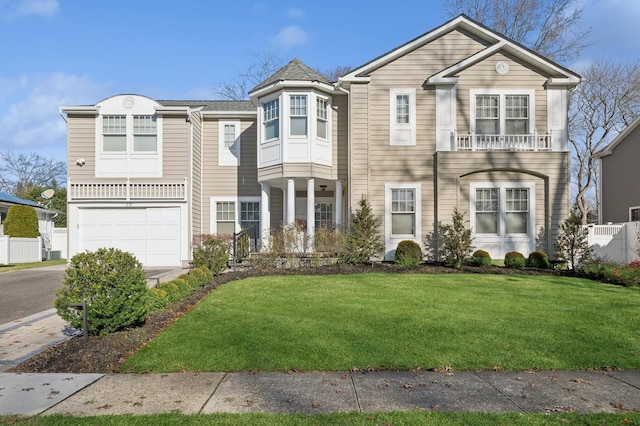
x=298 y=115
x=321 y=118
x=271 y=119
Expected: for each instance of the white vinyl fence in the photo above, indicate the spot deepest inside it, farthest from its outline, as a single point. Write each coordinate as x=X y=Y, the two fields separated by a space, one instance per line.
x=615 y=242
x=20 y=250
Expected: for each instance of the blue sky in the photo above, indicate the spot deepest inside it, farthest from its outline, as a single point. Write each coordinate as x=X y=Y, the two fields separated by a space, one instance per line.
x=74 y=52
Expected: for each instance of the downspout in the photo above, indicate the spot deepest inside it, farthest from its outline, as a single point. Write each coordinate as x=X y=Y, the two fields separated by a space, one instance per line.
x=191 y=189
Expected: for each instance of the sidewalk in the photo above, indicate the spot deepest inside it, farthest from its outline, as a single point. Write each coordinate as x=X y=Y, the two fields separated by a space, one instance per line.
x=319 y=392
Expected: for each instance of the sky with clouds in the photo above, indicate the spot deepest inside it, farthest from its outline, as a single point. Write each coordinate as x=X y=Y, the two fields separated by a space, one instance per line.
x=76 y=52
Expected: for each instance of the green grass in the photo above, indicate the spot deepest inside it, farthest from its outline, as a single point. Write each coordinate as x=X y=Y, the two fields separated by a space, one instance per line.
x=15 y=267
x=393 y=418
x=402 y=321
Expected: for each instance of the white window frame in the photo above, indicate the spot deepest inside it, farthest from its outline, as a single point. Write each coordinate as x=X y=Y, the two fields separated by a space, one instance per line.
x=108 y=129
x=502 y=94
x=229 y=156
x=148 y=128
x=502 y=200
x=390 y=238
x=322 y=105
x=271 y=117
x=631 y=209
x=402 y=133
x=298 y=111
x=324 y=218
x=214 y=213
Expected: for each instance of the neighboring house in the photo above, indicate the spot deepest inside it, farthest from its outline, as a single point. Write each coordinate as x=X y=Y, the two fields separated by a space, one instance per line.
x=458 y=117
x=620 y=177
x=45 y=215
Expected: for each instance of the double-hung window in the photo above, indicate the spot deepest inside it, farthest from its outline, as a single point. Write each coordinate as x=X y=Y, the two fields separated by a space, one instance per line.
x=225 y=217
x=145 y=133
x=298 y=115
x=516 y=210
x=271 y=119
x=403 y=211
x=487 y=204
x=114 y=133
x=502 y=113
x=321 y=118
x=229 y=143
x=502 y=210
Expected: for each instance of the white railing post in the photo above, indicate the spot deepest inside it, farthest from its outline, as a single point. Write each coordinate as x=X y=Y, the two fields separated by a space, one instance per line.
x=536 y=142
x=472 y=139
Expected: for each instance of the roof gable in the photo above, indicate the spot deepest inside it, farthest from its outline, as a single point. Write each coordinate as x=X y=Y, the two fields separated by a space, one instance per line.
x=622 y=136
x=495 y=42
x=294 y=71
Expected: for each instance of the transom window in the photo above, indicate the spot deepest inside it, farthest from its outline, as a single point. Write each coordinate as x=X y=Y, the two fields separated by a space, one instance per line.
x=271 y=119
x=225 y=217
x=507 y=114
x=321 y=118
x=403 y=211
x=145 y=133
x=298 y=115
x=114 y=133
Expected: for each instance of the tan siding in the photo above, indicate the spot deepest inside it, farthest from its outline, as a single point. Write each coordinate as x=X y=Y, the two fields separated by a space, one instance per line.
x=276 y=207
x=484 y=76
x=549 y=172
x=81 y=136
x=196 y=178
x=228 y=181
x=621 y=179
x=175 y=148
x=341 y=137
x=359 y=120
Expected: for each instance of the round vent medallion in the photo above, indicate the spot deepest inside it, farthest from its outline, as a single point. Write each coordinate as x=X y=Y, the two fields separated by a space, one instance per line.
x=128 y=102
x=502 y=67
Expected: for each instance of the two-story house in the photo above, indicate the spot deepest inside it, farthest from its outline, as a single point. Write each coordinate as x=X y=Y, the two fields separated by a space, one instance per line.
x=458 y=117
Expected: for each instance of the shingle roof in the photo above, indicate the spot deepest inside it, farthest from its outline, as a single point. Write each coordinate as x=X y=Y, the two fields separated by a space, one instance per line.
x=295 y=70
x=240 y=106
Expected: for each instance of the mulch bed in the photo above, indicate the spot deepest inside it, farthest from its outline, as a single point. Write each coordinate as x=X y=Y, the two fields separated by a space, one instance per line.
x=106 y=354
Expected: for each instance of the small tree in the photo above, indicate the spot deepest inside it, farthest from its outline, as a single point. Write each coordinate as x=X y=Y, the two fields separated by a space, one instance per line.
x=362 y=238
x=456 y=239
x=572 y=244
x=21 y=222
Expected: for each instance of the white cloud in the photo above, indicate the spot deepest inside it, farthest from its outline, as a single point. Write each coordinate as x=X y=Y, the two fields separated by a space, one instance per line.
x=295 y=13
x=291 y=36
x=30 y=117
x=20 y=8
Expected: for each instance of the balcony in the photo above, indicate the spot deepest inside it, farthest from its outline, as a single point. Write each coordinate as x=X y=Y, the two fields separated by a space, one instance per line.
x=127 y=191
x=476 y=142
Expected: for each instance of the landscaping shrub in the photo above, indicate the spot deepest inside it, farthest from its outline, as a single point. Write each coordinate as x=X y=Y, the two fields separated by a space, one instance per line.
x=21 y=222
x=571 y=244
x=362 y=238
x=158 y=299
x=113 y=285
x=480 y=258
x=199 y=277
x=538 y=259
x=612 y=272
x=456 y=239
x=408 y=253
x=212 y=253
x=514 y=260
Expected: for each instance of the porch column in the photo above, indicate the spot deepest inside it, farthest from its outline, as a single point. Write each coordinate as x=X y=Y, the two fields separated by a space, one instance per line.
x=311 y=214
x=265 y=215
x=339 y=204
x=291 y=201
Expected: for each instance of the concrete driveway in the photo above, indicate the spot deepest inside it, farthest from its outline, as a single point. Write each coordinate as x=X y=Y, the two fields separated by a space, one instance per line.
x=28 y=291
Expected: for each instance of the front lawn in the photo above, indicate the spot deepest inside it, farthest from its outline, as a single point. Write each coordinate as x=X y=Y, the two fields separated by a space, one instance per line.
x=402 y=321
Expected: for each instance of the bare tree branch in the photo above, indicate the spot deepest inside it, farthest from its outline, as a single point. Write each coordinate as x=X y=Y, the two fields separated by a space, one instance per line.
x=20 y=172
x=549 y=27
x=262 y=66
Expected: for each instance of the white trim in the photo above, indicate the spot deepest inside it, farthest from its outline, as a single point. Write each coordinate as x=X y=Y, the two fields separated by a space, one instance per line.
x=402 y=133
x=446 y=117
x=391 y=241
x=213 y=223
x=229 y=156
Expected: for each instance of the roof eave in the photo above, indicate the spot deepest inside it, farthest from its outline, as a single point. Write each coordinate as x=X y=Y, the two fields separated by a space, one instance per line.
x=290 y=84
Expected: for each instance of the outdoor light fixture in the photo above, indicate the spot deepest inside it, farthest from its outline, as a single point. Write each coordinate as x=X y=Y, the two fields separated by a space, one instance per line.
x=80 y=162
x=323 y=187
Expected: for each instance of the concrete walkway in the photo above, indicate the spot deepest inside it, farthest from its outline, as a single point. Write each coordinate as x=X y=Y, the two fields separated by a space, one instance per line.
x=319 y=392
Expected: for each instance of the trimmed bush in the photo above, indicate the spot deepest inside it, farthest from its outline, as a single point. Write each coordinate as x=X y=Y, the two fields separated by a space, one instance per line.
x=480 y=258
x=113 y=285
x=538 y=259
x=408 y=253
x=514 y=260
x=21 y=222
x=158 y=299
x=213 y=254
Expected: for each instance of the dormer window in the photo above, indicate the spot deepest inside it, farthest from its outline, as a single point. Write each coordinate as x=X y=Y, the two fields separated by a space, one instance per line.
x=298 y=115
x=272 y=119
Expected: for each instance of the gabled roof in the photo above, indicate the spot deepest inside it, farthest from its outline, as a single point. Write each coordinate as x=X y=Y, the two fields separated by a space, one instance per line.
x=495 y=41
x=608 y=150
x=294 y=71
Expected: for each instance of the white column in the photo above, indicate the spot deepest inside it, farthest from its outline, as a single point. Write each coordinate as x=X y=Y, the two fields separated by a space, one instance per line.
x=311 y=214
x=265 y=215
x=338 y=204
x=291 y=201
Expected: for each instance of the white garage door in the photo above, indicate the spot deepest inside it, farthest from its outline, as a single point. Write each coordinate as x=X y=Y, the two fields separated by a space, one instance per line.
x=152 y=235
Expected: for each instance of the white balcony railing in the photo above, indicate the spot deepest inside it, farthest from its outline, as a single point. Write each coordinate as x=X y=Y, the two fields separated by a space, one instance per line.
x=476 y=142
x=127 y=190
